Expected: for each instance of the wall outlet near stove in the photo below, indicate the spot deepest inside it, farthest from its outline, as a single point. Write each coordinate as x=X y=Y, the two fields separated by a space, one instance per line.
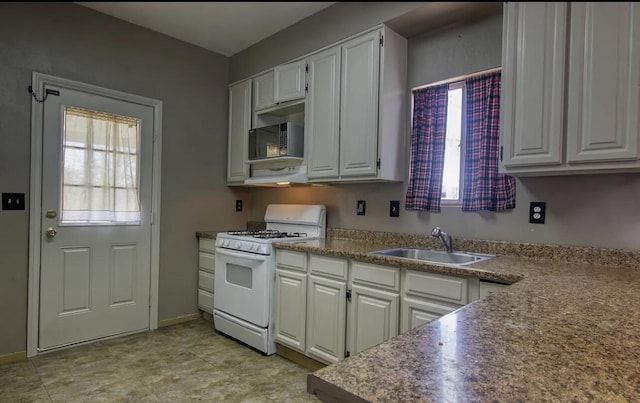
x=362 y=207
x=238 y=205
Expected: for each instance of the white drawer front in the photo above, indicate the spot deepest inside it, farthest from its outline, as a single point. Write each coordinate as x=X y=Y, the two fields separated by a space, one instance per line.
x=291 y=260
x=328 y=266
x=207 y=262
x=379 y=276
x=437 y=286
x=205 y=281
x=205 y=301
x=208 y=244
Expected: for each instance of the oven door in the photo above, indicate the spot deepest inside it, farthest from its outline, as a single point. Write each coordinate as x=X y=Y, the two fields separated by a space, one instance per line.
x=242 y=285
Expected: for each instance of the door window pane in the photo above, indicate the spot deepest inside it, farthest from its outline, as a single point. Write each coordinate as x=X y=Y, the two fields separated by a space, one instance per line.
x=100 y=157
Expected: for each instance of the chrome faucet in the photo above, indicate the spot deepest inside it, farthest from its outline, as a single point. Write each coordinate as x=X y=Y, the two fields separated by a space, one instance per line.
x=447 y=241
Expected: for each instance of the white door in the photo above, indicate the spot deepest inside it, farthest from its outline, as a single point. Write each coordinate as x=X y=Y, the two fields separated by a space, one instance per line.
x=373 y=319
x=263 y=91
x=326 y=319
x=322 y=123
x=359 y=106
x=96 y=218
x=417 y=312
x=291 y=309
x=531 y=119
x=289 y=81
x=239 y=125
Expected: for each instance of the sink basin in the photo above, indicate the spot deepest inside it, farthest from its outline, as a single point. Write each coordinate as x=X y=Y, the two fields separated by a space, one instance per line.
x=434 y=256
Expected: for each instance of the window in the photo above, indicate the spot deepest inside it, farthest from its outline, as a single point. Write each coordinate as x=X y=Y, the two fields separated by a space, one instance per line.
x=100 y=174
x=455 y=147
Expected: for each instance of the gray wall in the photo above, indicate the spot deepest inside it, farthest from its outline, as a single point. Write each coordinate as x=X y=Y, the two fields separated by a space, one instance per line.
x=596 y=210
x=327 y=26
x=70 y=41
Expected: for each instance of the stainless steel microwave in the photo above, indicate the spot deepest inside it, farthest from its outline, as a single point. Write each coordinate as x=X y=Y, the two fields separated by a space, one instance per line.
x=282 y=140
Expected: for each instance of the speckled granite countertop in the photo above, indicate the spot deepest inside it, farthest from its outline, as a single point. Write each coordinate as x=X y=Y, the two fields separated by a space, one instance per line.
x=565 y=331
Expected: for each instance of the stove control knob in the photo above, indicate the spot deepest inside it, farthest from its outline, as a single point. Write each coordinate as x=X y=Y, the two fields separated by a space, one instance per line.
x=226 y=243
x=262 y=249
x=237 y=245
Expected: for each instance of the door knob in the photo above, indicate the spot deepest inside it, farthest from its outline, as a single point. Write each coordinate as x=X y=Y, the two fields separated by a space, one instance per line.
x=50 y=232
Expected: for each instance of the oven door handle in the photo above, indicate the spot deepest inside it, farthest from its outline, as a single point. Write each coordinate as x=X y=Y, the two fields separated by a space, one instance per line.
x=226 y=252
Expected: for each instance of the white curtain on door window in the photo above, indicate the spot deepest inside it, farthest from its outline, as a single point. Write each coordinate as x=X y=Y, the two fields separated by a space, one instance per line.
x=100 y=181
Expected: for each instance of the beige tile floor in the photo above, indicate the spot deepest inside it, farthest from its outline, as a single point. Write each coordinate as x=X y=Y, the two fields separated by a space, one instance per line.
x=181 y=363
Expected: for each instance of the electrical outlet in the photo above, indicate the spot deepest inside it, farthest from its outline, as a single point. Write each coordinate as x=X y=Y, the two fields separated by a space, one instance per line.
x=13 y=201
x=238 y=205
x=537 y=212
x=362 y=207
x=394 y=208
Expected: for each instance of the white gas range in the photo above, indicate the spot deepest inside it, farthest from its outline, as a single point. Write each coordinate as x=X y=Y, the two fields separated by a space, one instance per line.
x=245 y=272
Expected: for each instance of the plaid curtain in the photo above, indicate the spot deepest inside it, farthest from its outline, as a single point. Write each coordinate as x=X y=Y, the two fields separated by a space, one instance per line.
x=484 y=188
x=427 y=148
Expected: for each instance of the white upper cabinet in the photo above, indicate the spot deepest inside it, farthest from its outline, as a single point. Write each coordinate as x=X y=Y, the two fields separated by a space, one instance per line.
x=263 y=91
x=534 y=37
x=595 y=47
x=359 y=106
x=356 y=112
x=322 y=120
x=289 y=81
x=602 y=118
x=239 y=125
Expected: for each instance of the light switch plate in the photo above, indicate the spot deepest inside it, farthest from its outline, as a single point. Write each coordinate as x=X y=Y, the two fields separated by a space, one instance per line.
x=13 y=201
x=394 y=208
x=362 y=207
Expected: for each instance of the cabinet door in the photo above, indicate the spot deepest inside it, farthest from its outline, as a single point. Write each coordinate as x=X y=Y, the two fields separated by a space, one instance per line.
x=239 y=125
x=531 y=118
x=291 y=303
x=373 y=317
x=604 y=68
x=263 y=91
x=289 y=81
x=322 y=123
x=326 y=317
x=487 y=288
x=359 y=106
x=416 y=312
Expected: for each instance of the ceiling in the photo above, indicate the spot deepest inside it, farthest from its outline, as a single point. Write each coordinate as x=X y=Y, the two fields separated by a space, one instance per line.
x=223 y=27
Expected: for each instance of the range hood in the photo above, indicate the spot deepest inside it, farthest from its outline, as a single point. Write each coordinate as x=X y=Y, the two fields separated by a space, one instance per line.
x=292 y=175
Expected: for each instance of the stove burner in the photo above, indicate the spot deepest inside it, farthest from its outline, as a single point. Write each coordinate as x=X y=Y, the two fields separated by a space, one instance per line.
x=268 y=234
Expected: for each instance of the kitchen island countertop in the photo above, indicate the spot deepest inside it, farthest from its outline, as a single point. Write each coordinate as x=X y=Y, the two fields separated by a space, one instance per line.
x=564 y=331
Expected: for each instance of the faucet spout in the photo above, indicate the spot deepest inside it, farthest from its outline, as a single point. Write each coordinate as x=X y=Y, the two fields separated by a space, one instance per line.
x=447 y=241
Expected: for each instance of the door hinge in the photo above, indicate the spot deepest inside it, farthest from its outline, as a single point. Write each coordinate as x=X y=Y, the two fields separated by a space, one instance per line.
x=306 y=67
x=381 y=40
x=153 y=218
x=501 y=152
x=347 y=354
x=306 y=88
x=349 y=295
x=378 y=163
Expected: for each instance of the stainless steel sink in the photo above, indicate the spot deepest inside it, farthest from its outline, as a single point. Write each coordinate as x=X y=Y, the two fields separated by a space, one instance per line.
x=435 y=256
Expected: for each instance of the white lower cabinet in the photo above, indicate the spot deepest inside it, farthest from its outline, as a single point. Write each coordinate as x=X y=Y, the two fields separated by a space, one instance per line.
x=291 y=299
x=206 y=273
x=291 y=312
x=373 y=317
x=374 y=305
x=487 y=288
x=328 y=308
x=326 y=318
x=416 y=312
x=428 y=296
